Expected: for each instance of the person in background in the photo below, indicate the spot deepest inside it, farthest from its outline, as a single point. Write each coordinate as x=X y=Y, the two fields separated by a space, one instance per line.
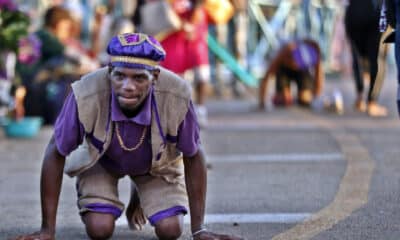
x=298 y=61
x=40 y=100
x=188 y=50
x=390 y=14
x=74 y=47
x=132 y=118
x=107 y=25
x=362 y=29
x=62 y=60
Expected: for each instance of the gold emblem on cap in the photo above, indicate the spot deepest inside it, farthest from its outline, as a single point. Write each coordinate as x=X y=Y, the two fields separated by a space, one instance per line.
x=142 y=38
x=124 y=42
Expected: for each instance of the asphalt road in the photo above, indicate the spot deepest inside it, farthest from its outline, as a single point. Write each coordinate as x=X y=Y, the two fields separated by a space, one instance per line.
x=281 y=174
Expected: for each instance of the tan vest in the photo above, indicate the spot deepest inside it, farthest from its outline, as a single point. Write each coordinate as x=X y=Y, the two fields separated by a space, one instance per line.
x=93 y=96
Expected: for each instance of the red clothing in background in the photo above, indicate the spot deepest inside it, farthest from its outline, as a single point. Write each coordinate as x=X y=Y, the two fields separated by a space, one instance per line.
x=184 y=52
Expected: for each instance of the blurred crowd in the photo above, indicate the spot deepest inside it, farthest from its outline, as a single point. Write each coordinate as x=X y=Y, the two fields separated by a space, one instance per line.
x=66 y=39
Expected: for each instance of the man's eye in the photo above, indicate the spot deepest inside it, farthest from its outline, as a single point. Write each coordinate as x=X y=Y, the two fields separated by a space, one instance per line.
x=140 y=78
x=118 y=75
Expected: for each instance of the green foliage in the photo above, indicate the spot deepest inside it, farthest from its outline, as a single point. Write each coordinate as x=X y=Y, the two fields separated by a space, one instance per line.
x=13 y=25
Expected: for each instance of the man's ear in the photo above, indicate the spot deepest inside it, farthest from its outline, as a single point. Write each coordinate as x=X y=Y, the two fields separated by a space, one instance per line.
x=156 y=74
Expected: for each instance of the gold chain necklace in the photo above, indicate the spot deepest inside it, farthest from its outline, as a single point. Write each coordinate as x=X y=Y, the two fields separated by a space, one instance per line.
x=121 y=143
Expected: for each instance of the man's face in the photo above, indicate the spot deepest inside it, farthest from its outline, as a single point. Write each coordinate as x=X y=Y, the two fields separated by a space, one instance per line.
x=131 y=86
x=63 y=29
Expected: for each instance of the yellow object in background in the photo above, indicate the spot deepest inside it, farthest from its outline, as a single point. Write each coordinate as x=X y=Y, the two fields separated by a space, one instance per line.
x=219 y=11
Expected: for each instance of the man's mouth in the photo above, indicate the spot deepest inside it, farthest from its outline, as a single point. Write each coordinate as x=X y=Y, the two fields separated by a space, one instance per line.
x=128 y=99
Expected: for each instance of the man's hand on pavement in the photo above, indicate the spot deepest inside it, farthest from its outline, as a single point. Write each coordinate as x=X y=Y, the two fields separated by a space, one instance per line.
x=35 y=236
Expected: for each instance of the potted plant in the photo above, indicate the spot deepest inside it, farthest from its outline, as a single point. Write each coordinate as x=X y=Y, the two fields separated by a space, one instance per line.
x=15 y=44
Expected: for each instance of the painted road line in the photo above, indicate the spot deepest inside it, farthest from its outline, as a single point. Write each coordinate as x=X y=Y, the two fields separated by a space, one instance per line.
x=287 y=218
x=353 y=189
x=258 y=127
x=290 y=157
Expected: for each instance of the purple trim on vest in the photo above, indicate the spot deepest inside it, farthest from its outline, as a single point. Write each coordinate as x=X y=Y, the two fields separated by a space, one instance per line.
x=96 y=142
x=158 y=156
x=172 y=139
x=173 y=211
x=109 y=117
x=104 y=208
x=154 y=103
x=158 y=119
x=99 y=145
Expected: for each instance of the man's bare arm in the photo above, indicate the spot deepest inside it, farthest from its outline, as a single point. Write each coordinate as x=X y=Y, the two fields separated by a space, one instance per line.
x=263 y=88
x=319 y=73
x=196 y=184
x=319 y=78
x=50 y=188
x=50 y=185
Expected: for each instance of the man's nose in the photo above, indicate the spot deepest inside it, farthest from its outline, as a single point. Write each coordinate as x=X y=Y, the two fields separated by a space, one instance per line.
x=129 y=84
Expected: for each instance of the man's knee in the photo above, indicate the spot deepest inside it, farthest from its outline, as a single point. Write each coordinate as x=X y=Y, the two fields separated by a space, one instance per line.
x=99 y=225
x=169 y=228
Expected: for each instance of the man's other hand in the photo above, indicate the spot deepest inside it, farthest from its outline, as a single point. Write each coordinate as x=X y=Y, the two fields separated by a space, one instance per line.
x=35 y=236
x=206 y=235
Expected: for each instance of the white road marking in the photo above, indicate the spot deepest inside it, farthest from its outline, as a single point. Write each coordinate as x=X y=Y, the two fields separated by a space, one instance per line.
x=290 y=157
x=358 y=123
x=255 y=218
x=244 y=218
x=237 y=126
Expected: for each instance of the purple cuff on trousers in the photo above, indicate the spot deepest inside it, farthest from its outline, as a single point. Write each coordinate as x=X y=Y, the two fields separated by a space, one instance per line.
x=153 y=219
x=104 y=208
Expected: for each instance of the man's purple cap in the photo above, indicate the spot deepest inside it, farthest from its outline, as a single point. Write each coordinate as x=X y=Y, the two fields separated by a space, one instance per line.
x=135 y=50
